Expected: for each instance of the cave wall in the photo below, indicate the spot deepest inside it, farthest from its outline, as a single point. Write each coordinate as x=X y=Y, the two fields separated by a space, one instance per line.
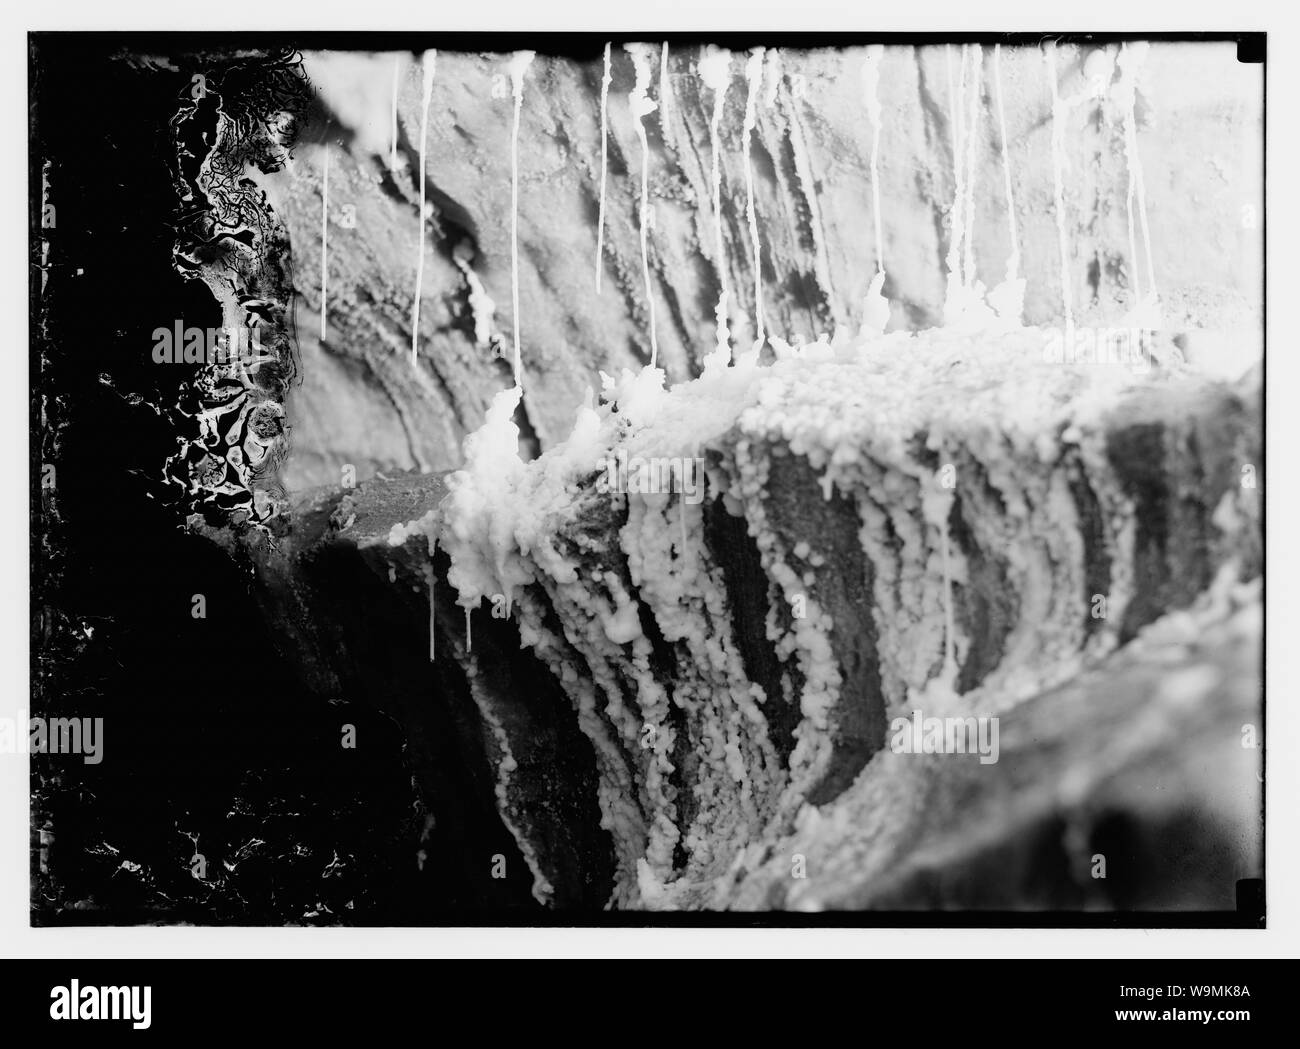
x=361 y=402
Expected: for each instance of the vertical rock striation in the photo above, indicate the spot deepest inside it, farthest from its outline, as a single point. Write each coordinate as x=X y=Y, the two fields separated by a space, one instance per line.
x=941 y=523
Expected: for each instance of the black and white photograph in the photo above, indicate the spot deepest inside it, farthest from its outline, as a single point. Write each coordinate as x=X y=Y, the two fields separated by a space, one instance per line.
x=549 y=479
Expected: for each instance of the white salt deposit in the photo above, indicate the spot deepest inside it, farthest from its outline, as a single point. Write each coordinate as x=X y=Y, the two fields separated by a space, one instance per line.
x=431 y=581
x=754 y=78
x=956 y=96
x=772 y=77
x=875 y=313
x=604 y=168
x=517 y=67
x=665 y=91
x=1059 y=112
x=544 y=535
x=508 y=525
x=715 y=70
x=482 y=308
x=972 y=169
x=642 y=106
x=428 y=64
x=1008 y=298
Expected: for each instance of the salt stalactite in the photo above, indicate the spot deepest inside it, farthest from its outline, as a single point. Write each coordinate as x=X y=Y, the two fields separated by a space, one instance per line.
x=518 y=65
x=972 y=138
x=428 y=62
x=642 y=107
x=955 y=95
x=772 y=78
x=723 y=333
x=754 y=79
x=875 y=314
x=964 y=304
x=324 y=240
x=392 y=156
x=1146 y=312
x=715 y=70
x=1059 y=113
x=871 y=97
x=431 y=578
x=469 y=637
x=956 y=281
x=481 y=307
x=1008 y=298
x=604 y=167
x=665 y=91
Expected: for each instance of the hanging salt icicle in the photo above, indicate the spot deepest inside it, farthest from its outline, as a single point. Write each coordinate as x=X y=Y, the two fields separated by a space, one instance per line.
x=324 y=240
x=972 y=138
x=949 y=621
x=428 y=62
x=1146 y=313
x=1059 y=112
x=772 y=78
x=720 y=356
x=604 y=168
x=715 y=70
x=392 y=156
x=431 y=579
x=469 y=637
x=871 y=97
x=642 y=106
x=518 y=64
x=956 y=282
x=964 y=304
x=1008 y=298
x=875 y=313
x=955 y=111
x=754 y=80
x=665 y=91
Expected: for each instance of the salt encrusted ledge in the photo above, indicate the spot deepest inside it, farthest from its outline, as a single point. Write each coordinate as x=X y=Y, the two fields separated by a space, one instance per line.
x=735 y=661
